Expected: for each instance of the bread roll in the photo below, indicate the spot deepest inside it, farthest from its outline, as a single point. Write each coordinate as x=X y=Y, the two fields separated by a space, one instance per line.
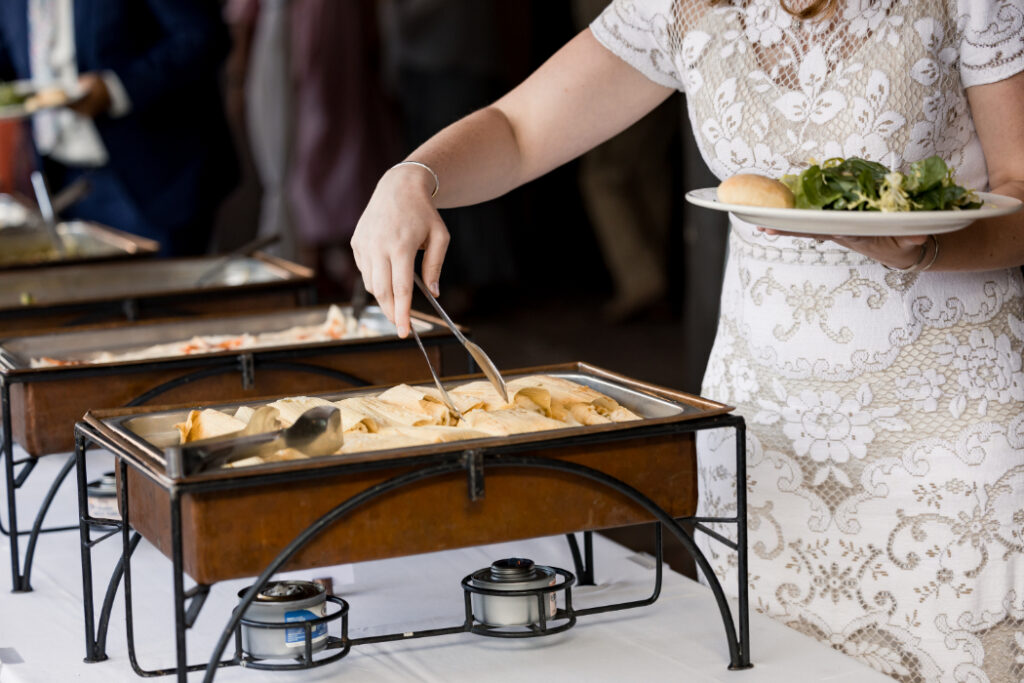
x=47 y=98
x=751 y=189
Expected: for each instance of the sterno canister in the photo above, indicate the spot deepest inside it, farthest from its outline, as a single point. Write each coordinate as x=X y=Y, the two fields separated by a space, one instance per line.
x=282 y=602
x=512 y=574
x=102 y=497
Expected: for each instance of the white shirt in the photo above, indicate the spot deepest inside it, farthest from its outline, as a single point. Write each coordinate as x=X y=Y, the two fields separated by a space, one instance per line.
x=62 y=134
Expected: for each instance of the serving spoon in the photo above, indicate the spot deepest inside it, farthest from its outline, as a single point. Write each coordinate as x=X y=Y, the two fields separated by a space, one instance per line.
x=316 y=432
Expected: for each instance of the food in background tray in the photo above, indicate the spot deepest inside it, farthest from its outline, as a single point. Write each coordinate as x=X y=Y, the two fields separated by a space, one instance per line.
x=338 y=324
x=406 y=416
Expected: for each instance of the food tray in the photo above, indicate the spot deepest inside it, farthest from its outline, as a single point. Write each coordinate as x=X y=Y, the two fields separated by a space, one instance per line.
x=233 y=522
x=84 y=241
x=52 y=296
x=46 y=401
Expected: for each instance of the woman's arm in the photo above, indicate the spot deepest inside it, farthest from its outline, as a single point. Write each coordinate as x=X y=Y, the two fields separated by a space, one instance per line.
x=998 y=113
x=580 y=97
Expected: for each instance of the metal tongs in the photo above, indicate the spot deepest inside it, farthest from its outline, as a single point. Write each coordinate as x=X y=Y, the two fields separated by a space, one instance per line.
x=47 y=212
x=360 y=298
x=246 y=249
x=317 y=432
x=474 y=350
x=437 y=382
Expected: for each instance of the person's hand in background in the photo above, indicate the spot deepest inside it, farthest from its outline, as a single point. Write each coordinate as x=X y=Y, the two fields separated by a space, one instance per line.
x=95 y=99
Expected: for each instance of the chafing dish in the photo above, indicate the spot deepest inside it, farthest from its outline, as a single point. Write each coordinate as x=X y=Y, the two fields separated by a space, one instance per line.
x=84 y=241
x=47 y=297
x=46 y=401
x=233 y=522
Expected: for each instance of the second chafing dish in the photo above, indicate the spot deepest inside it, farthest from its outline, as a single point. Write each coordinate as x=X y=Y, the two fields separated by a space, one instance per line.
x=53 y=296
x=30 y=247
x=46 y=401
x=654 y=455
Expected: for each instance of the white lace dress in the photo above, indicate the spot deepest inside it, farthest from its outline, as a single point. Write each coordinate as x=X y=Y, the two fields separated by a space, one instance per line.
x=885 y=413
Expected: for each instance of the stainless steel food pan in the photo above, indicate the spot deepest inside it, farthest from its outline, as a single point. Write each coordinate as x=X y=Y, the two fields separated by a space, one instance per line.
x=47 y=297
x=84 y=242
x=233 y=522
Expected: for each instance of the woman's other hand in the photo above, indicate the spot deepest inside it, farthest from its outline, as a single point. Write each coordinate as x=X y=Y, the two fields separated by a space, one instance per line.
x=896 y=252
x=399 y=220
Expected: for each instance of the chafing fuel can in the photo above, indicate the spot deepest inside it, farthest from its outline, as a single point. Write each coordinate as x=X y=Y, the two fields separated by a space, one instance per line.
x=102 y=497
x=282 y=602
x=512 y=574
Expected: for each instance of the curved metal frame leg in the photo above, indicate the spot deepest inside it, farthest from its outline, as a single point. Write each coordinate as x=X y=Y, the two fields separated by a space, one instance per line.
x=108 y=597
x=12 y=508
x=37 y=527
x=738 y=656
x=583 y=563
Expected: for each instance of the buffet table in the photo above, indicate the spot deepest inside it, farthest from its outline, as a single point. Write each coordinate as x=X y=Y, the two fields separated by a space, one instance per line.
x=677 y=638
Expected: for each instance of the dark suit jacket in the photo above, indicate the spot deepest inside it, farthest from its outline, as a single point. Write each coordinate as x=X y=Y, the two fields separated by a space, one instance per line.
x=172 y=152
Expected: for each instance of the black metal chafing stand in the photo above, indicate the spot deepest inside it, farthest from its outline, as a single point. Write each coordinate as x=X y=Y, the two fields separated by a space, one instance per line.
x=246 y=364
x=474 y=462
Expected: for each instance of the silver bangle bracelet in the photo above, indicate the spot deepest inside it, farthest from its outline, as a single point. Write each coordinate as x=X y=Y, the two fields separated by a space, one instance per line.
x=917 y=267
x=437 y=183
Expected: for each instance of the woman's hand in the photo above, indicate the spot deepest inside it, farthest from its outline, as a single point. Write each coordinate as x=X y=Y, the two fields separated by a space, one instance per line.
x=399 y=220
x=895 y=252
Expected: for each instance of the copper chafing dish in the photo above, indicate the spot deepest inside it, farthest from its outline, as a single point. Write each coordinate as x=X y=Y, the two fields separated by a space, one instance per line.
x=84 y=242
x=46 y=401
x=234 y=522
x=41 y=298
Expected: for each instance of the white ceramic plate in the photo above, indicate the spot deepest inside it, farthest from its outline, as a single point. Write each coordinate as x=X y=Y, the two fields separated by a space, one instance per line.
x=866 y=223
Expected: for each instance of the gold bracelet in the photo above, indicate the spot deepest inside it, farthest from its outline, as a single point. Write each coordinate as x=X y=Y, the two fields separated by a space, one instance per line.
x=437 y=183
x=917 y=267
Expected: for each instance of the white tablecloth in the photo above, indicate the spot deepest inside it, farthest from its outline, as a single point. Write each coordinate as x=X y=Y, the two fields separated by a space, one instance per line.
x=679 y=638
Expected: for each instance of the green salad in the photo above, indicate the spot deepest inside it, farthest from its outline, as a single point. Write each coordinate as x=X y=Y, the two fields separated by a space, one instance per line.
x=859 y=185
x=10 y=95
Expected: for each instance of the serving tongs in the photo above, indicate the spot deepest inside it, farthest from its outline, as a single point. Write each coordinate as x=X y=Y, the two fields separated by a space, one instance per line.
x=246 y=249
x=360 y=299
x=46 y=210
x=474 y=350
x=316 y=432
x=437 y=382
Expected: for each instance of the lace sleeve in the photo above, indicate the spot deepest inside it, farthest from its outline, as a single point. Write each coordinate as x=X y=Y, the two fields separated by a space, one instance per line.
x=640 y=33
x=991 y=40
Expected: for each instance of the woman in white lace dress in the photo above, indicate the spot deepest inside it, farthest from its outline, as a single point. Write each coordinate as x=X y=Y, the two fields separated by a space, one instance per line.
x=885 y=408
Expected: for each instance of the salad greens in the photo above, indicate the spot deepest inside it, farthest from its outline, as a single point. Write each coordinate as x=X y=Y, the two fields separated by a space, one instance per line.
x=9 y=95
x=859 y=185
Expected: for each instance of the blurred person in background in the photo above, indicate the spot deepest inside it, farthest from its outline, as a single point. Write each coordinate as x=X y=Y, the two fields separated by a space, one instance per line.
x=449 y=58
x=627 y=185
x=149 y=129
x=306 y=85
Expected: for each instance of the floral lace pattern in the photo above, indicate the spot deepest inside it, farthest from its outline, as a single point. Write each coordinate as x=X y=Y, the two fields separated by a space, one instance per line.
x=885 y=459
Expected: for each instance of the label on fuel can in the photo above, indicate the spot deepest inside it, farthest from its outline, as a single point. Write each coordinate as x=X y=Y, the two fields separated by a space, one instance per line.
x=296 y=637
